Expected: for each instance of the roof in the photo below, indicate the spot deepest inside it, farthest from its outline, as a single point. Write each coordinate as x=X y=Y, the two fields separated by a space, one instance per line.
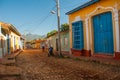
x=9 y=27
x=83 y=6
x=4 y=27
x=14 y=30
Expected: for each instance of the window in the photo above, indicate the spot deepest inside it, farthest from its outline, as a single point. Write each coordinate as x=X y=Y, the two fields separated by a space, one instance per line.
x=78 y=42
x=65 y=41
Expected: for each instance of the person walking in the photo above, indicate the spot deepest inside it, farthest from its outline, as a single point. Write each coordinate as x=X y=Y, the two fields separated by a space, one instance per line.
x=50 y=53
x=43 y=48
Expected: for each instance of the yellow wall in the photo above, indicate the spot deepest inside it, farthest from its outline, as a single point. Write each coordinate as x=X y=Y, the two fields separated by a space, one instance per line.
x=83 y=13
x=17 y=39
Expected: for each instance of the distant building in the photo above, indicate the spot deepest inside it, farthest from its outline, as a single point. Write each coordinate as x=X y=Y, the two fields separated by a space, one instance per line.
x=53 y=41
x=28 y=45
x=95 y=28
x=38 y=43
x=35 y=44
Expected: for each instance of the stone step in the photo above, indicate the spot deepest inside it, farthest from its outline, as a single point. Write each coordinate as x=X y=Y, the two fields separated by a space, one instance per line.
x=10 y=71
x=10 y=78
x=7 y=62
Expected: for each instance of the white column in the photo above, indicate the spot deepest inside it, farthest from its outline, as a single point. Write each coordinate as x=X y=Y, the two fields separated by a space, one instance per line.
x=117 y=29
x=0 y=29
x=87 y=34
x=0 y=43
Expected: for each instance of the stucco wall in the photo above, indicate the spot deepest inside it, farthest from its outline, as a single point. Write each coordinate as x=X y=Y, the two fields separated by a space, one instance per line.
x=86 y=15
x=15 y=41
x=65 y=47
x=63 y=35
x=119 y=29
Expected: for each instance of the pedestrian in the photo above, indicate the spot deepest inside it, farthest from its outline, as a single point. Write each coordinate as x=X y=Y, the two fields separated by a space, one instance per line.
x=50 y=53
x=43 y=48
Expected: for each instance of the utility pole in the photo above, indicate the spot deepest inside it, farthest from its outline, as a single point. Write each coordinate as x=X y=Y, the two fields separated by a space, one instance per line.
x=58 y=18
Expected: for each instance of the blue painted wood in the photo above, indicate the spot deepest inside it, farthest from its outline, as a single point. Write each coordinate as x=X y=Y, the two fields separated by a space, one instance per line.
x=78 y=39
x=103 y=33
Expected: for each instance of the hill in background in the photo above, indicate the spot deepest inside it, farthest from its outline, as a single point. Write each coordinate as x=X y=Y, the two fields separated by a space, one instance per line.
x=30 y=36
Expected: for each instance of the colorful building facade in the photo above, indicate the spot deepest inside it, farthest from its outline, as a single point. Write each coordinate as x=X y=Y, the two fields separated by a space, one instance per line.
x=95 y=28
x=9 y=39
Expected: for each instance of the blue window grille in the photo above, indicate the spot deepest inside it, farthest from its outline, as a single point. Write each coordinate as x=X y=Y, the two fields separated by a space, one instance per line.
x=78 y=39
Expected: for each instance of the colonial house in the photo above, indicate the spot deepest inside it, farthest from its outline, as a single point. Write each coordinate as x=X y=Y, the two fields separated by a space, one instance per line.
x=9 y=39
x=95 y=28
x=52 y=40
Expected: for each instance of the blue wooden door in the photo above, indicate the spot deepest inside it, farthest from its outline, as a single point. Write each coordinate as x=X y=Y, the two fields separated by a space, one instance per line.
x=103 y=33
x=78 y=39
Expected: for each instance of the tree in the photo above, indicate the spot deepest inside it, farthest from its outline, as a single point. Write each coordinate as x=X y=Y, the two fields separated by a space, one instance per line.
x=65 y=27
x=51 y=33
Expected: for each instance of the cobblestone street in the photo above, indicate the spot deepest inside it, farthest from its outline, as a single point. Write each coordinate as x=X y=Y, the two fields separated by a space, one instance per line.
x=60 y=40
x=36 y=65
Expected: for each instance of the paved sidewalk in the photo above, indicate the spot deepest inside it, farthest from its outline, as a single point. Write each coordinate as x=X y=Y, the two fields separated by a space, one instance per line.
x=109 y=60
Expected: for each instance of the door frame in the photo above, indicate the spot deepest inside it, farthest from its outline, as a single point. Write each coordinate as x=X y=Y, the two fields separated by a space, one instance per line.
x=56 y=44
x=100 y=9
x=92 y=30
x=112 y=31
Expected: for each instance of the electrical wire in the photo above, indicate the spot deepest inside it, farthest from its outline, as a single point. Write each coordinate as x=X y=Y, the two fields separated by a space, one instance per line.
x=46 y=17
x=43 y=19
x=34 y=28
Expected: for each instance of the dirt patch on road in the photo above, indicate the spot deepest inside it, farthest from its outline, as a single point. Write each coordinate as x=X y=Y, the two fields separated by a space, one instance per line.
x=37 y=66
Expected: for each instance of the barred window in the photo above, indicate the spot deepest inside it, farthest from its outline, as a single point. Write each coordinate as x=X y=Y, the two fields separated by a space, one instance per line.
x=78 y=41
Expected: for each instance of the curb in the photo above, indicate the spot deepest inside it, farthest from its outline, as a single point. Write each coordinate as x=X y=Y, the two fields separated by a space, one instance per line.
x=97 y=60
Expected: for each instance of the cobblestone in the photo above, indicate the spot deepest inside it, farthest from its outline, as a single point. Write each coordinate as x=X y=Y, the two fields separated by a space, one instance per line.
x=36 y=65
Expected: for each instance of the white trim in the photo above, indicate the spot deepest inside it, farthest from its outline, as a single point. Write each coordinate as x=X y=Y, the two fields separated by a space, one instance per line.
x=0 y=30
x=117 y=29
x=77 y=18
x=97 y=8
x=87 y=34
x=115 y=11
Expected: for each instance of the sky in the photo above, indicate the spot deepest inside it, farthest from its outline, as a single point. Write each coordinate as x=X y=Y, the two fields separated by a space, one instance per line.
x=34 y=16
